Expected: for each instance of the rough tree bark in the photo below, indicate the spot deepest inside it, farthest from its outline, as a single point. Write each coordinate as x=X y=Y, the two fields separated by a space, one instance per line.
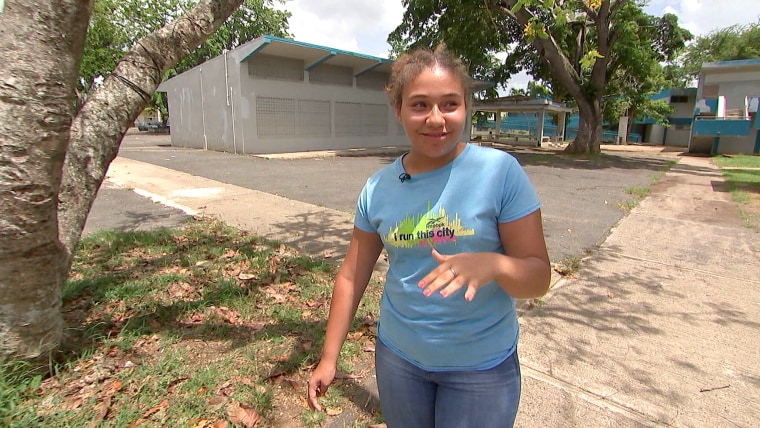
x=53 y=158
x=41 y=46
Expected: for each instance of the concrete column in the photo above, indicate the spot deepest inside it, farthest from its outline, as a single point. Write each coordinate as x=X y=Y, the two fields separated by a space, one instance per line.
x=623 y=130
x=540 y=128
x=498 y=125
x=561 y=120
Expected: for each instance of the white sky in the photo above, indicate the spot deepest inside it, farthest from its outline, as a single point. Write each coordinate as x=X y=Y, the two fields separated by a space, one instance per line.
x=363 y=25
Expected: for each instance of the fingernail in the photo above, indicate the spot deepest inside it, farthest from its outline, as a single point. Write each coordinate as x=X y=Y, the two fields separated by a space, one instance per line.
x=426 y=292
x=421 y=284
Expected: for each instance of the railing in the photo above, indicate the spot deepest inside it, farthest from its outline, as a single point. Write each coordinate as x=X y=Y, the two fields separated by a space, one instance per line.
x=731 y=126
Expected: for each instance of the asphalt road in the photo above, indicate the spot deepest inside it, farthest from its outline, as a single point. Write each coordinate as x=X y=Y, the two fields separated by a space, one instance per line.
x=582 y=199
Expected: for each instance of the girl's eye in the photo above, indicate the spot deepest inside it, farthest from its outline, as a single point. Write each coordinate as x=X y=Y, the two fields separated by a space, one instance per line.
x=418 y=104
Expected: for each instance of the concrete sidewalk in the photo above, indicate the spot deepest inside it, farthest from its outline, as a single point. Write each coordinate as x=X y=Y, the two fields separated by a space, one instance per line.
x=312 y=229
x=660 y=327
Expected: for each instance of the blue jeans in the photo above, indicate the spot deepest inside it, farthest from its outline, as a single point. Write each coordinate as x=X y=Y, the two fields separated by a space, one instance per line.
x=414 y=398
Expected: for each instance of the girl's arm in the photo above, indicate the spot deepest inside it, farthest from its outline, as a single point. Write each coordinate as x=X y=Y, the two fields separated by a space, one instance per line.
x=350 y=283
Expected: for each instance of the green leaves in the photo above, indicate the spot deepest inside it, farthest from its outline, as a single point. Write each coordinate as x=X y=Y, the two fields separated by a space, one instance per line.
x=116 y=25
x=590 y=58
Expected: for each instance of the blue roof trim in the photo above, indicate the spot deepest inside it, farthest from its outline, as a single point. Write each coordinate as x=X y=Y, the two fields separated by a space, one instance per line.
x=262 y=46
x=269 y=38
x=320 y=61
x=368 y=69
x=754 y=61
x=662 y=94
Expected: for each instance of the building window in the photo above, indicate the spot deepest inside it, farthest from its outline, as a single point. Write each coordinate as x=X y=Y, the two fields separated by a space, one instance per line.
x=372 y=80
x=275 y=67
x=332 y=75
x=679 y=99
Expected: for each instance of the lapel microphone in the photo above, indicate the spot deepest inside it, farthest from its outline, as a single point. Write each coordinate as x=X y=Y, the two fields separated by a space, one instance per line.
x=404 y=176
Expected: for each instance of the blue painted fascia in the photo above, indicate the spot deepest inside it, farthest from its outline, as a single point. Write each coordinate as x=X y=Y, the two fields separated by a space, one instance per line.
x=320 y=61
x=681 y=120
x=263 y=44
x=738 y=62
x=324 y=48
x=721 y=127
x=368 y=69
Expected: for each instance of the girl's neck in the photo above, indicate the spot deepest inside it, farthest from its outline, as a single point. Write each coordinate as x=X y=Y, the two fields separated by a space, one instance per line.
x=415 y=163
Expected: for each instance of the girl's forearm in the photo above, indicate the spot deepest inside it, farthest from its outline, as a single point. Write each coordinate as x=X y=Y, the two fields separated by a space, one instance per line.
x=345 y=301
x=523 y=278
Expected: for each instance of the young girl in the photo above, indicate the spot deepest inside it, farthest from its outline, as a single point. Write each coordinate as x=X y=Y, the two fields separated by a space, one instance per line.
x=462 y=228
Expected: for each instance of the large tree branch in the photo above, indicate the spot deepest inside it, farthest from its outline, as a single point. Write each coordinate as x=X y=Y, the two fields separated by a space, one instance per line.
x=559 y=65
x=100 y=125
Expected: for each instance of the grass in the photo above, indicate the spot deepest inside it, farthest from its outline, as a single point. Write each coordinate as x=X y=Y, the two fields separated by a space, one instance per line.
x=742 y=174
x=197 y=326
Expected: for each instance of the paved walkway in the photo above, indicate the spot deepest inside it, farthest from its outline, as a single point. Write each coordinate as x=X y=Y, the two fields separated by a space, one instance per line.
x=660 y=328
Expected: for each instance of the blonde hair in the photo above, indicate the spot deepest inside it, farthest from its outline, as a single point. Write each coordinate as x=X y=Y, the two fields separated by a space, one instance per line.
x=411 y=64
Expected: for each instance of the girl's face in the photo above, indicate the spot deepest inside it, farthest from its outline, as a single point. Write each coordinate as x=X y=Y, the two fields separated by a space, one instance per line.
x=433 y=113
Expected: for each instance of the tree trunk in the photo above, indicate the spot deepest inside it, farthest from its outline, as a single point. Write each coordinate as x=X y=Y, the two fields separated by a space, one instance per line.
x=44 y=200
x=41 y=45
x=589 y=137
x=101 y=123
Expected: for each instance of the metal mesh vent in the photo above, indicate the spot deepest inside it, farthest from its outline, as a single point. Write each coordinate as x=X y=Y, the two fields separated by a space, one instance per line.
x=356 y=119
x=276 y=116
x=314 y=118
x=348 y=119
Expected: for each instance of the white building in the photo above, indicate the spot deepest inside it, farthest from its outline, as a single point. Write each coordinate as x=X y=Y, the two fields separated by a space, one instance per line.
x=678 y=133
x=274 y=95
x=725 y=118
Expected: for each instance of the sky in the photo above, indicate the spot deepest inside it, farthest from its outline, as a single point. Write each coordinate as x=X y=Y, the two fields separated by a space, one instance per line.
x=363 y=25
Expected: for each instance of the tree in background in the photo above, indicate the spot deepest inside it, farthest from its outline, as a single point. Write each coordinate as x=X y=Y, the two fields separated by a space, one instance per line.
x=570 y=44
x=54 y=153
x=727 y=44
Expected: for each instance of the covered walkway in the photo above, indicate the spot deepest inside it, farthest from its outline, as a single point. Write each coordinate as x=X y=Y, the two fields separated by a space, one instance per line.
x=533 y=136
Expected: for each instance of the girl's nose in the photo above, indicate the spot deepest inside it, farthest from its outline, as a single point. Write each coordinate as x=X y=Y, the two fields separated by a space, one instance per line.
x=435 y=117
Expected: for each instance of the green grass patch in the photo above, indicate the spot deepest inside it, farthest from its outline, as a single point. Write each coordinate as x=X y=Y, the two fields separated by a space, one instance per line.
x=737 y=161
x=742 y=174
x=188 y=327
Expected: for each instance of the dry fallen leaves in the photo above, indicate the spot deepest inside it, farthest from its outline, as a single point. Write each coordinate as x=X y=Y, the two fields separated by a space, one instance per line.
x=242 y=414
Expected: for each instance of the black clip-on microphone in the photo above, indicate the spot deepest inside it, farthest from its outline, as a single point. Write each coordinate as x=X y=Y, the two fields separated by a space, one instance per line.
x=404 y=176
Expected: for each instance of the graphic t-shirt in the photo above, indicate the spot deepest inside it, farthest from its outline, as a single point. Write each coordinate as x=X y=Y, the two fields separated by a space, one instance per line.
x=456 y=208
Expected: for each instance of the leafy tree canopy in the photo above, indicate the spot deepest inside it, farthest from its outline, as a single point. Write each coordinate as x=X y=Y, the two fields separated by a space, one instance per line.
x=116 y=25
x=727 y=44
x=587 y=51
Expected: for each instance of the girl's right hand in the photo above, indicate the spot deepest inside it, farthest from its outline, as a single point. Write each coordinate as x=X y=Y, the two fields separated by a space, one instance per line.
x=318 y=383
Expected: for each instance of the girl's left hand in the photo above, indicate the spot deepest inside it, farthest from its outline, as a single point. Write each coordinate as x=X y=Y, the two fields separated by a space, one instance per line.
x=470 y=270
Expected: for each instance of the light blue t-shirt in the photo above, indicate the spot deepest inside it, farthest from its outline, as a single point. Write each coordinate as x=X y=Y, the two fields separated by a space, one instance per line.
x=456 y=208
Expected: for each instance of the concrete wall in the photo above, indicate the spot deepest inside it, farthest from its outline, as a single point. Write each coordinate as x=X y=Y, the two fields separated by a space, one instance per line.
x=278 y=116
x=273 y=105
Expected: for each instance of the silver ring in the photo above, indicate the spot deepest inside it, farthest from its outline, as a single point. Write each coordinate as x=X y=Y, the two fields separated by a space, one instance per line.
x=453 y=272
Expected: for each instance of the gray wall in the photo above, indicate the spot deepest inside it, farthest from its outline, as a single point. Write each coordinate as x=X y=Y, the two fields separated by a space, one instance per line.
x=275 y=106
